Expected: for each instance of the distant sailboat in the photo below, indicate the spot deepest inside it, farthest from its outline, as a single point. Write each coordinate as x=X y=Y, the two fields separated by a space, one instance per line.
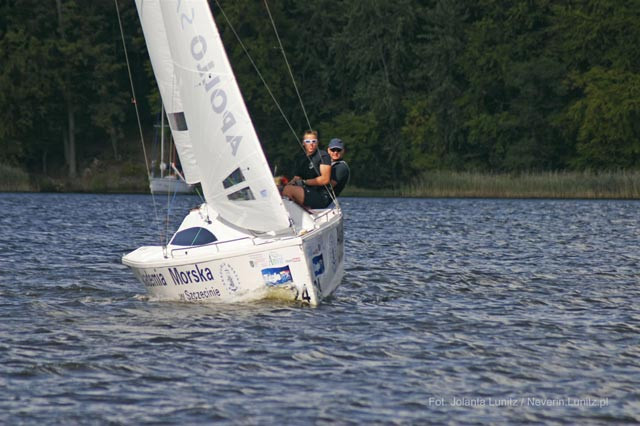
x=245 y=242
x=170 y=180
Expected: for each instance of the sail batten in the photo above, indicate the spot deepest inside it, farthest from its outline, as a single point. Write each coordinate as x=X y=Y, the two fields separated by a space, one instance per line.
x=221 y=133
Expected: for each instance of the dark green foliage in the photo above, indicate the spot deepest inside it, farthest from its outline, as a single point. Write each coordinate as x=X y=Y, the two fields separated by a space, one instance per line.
x=606 y=121
x=410 y=85
x=600 y=40
x=62 y=80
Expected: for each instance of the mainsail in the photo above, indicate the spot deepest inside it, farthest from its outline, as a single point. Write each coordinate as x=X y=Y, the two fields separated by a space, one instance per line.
x=162 y=64
x=234 y=174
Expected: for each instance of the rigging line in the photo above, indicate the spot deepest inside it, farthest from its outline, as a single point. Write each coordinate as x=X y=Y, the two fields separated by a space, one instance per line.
x=255 y=67
x=135 y=103
x=328 y=187
x=168 y=218
x=165 y=239
x=133 y=91
x=286 y=61
x=170 y=201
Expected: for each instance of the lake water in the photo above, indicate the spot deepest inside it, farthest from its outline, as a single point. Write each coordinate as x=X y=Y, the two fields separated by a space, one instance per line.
x=451 y=311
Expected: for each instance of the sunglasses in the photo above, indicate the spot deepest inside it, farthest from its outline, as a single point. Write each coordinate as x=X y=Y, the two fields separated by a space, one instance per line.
x=335 y=150
x=310 y=141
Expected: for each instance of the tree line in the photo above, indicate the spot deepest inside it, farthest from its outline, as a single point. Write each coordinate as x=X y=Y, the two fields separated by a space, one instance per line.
x=410 y=85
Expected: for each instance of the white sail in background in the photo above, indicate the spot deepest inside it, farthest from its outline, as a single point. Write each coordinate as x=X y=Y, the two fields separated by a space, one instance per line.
x=235 y=177
x=158 y=46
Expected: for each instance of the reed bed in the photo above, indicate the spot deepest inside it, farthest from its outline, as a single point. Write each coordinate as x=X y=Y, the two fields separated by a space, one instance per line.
x=446 y=184
x=13 y=179
x=619 y=185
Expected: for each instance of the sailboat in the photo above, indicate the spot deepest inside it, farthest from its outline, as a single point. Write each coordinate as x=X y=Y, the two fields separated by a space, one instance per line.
x=245 y=241
x=170 y=180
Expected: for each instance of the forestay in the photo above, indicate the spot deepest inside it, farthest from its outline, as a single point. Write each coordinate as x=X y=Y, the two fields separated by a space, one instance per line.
x=162 y=64
x=234 y=173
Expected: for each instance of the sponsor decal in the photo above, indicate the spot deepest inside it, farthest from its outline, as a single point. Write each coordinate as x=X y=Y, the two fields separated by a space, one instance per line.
x=277 y=276
x=315 y=247
x=152 y=280
x=318 y=265
x=229 y=277
x=259 y=260
x=275 y=258
x=334 y=257
x=207 y=293
x=191 y=276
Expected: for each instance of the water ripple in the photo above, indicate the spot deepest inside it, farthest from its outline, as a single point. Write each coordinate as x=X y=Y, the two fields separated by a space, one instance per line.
x=451 y=311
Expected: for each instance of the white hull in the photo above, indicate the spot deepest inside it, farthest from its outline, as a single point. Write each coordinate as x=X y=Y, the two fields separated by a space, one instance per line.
x=254 y=244
x=307 y=265
x=169 y=185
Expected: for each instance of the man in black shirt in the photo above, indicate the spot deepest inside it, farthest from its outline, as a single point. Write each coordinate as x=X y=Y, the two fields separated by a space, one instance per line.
x=312 y=175
x=339 y=169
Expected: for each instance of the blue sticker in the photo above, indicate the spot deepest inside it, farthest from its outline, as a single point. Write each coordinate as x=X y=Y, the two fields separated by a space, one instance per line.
x=318 y=265
x=277 y=276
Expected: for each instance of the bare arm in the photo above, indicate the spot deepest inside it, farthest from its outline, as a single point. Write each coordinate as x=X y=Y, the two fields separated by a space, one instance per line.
x=323 y=179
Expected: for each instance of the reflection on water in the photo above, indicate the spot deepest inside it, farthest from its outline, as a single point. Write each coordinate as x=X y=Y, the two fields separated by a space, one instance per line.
x=472 y=311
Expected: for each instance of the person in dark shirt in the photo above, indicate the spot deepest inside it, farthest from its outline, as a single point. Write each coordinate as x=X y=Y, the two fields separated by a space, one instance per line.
x=339 y=168
x=310 y=184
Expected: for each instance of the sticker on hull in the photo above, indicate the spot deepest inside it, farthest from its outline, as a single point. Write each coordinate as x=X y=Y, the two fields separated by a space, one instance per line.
x=229 y=277
x=277 y=276
x=318 y=265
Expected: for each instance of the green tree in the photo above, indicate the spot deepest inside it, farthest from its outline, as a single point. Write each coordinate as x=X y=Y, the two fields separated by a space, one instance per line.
x=60 y=78
x=84 y=67
x=607 y=119
x=434 y=120
x=514 y=93
x=26 y=86
x=374 y=48
x=492 y=85
x=600 y=40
